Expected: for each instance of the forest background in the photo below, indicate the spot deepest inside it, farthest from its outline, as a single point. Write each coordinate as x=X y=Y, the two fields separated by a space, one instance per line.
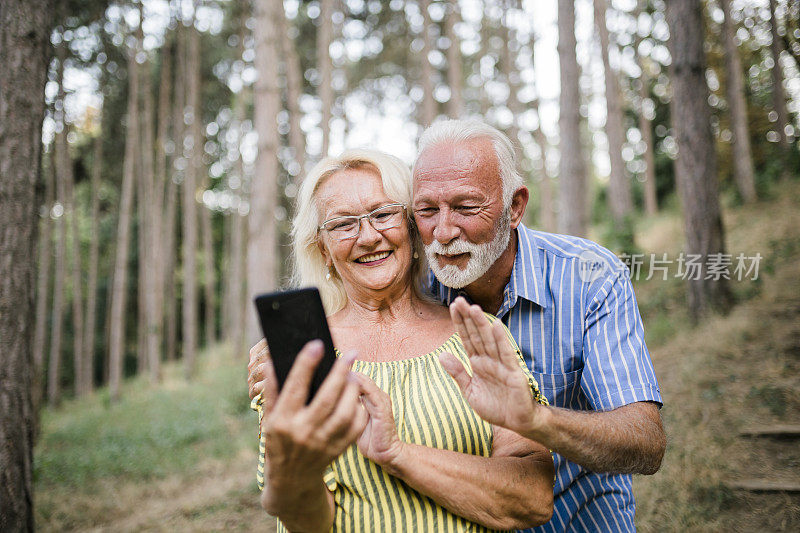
x=176 y=133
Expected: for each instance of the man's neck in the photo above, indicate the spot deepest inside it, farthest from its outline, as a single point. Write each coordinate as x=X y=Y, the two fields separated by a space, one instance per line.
x=487 y=291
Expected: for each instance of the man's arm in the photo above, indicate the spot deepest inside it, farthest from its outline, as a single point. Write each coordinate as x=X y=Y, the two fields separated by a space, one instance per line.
x=629 y=439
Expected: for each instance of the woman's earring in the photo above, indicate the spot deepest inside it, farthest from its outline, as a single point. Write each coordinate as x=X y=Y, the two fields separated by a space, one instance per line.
x=416 y=255
x=328 y=275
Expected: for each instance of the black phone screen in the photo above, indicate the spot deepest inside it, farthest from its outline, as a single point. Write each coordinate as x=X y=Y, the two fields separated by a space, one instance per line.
x=289 y=320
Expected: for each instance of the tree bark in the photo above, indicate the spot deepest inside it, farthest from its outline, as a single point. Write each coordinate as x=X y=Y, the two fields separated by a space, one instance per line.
x=262 y=253
x=324 y=36
x=572 y=216
x=696 y=166
x=24 y=57
x=193 y=171
x=645 y=126
x=294 y=90
x=778 y=92
x=71 y=210
x=116 y=337
x=455 y=74
x=43 y=283
x=428 y=103
x=94 y=252
x=620 y=201
x=742 y=154
x=57 y=321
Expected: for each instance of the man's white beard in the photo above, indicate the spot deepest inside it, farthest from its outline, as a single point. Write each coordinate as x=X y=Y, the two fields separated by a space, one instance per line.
x=482 y=256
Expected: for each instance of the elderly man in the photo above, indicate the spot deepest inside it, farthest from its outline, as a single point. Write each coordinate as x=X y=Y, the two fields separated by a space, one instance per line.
x=570 y=306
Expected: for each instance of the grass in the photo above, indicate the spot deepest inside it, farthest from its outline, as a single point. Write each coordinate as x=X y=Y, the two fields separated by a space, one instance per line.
x=182 y=456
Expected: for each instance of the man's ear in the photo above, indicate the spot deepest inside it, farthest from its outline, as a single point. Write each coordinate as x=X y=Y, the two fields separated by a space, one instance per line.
x=518 y=204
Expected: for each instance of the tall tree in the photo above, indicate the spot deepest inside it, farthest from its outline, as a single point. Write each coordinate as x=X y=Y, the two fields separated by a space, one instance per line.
x=572 y=216
x=116 y=336
x=193 y=172
x=144 y=200
x=619 y=188
x=645 y=125
x=778 y=92
x=294 y=90
x=455 y=75
x=509 y=70
x=426 y=70
x=57 y=321
x=742 y=154
x=696 y=165
x=94 y=253
x=71 y=210
x=43 y=281
x=325 y=66
x=262 y=247
x=24 y=55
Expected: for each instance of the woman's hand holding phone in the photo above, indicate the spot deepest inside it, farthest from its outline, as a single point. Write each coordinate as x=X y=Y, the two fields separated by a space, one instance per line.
x=302 y=440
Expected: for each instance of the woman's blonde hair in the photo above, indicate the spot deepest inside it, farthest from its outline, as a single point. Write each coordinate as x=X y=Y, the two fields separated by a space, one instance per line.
x=309 y=264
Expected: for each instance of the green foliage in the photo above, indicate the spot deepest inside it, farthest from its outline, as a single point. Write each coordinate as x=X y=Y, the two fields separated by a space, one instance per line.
x=149 y=433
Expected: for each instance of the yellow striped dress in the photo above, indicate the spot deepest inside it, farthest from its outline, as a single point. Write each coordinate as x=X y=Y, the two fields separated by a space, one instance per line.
x=428 y=410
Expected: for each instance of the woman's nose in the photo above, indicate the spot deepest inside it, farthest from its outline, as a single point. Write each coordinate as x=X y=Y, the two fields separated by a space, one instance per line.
x=368 y=234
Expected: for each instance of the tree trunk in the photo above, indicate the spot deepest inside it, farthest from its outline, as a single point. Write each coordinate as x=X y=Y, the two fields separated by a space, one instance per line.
x=57 y=321
x=143 y=204
x=620 y=201
x=428 y=103
x=94 y=252
x=645 y=127
x=43 y=283
x=696 y=166
x=210 y=277
x=24 y=57
x=455 y=75
x=170 y=238
x=116 y=336
x=572 y=216
x=742 y=155
x=324 y=36
x=71 y=210
x=778 y=92
x=262 y=256
x=509 y=71
x=193 y=170
x=294 y=90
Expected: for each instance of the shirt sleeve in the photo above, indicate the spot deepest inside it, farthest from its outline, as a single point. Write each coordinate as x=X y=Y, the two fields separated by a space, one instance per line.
x=617 y=368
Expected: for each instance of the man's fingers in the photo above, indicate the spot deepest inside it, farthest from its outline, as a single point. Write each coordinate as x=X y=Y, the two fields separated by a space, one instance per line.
x=327 y=396
x=484 y=329
x=459 y=309
x=508 y=356
x=298 y=382
x=257 y=354
x=454 y=367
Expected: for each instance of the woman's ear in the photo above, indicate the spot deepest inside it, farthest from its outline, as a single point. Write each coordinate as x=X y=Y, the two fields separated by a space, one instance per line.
x=325 y=255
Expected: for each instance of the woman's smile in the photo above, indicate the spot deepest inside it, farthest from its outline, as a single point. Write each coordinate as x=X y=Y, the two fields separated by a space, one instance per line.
x=374 y=258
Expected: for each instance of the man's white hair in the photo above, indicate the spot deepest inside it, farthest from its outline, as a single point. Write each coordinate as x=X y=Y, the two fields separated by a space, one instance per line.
x=456 y=131
x=309 y=264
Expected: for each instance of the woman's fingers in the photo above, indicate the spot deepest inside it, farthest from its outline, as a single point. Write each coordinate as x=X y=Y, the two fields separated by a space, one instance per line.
x=338 y=424
x=474 y=333
x=296 y=388
x=268 y=386
x=327 y=397
x=454 y=367
x=259 y=354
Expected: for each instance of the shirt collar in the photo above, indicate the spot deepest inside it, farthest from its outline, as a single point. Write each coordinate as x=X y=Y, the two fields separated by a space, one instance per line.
x=527 y=274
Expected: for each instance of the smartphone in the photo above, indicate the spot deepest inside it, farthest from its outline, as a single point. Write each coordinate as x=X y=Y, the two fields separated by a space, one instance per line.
x=290 y=319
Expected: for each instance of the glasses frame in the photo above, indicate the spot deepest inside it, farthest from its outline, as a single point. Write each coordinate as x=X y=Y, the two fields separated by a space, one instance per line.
x=361 y=217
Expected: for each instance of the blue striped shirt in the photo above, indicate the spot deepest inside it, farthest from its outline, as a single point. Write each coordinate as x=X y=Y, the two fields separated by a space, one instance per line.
x=570 y=306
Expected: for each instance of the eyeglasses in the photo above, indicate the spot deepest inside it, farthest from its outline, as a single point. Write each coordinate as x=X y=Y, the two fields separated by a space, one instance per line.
x=382 y=218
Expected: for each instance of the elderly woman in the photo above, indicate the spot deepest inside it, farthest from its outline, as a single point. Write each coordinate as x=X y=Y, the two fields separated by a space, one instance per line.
x=388 y=443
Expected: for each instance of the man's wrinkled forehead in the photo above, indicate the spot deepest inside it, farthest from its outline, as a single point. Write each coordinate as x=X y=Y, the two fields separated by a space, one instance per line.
x=451 y=158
